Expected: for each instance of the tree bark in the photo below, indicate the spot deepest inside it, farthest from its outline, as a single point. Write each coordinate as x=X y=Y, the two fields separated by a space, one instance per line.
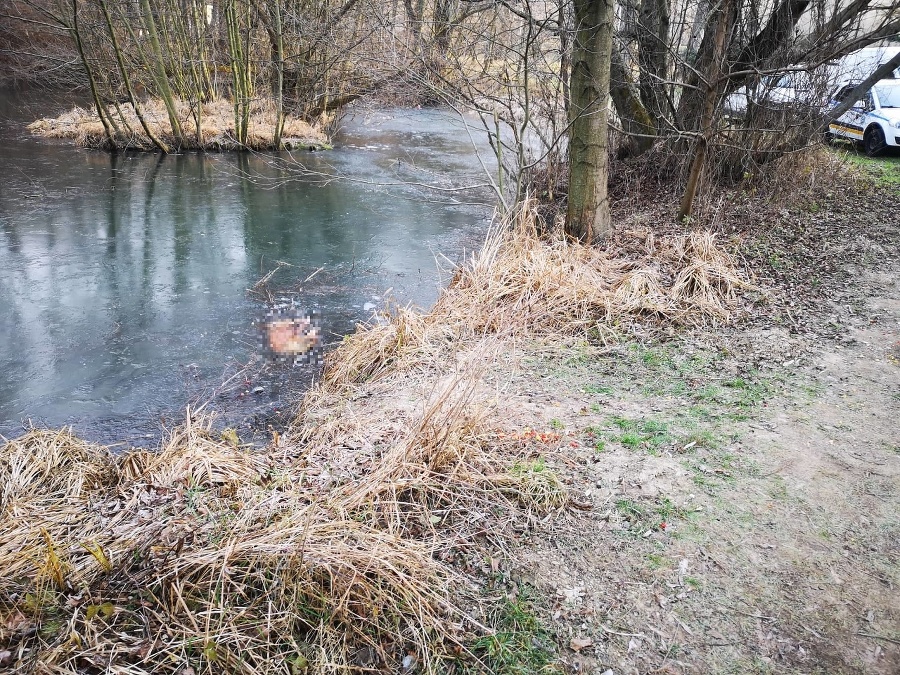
x=724 y=18
x=101 y=112
x=778 y=31
x=278 y=65
x=637 y=123
x=159 y=69
x=653 y=58
x=697 y=83
x=564 y=54
x=242 y=83
x=588 y=209
x=126 y=80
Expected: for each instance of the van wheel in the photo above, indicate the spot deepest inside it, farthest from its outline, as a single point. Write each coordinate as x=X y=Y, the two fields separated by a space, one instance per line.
x=873 y=141
x=827 y=137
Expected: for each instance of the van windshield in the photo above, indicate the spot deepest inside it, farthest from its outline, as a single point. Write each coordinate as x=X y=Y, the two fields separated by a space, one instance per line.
x=888 y=97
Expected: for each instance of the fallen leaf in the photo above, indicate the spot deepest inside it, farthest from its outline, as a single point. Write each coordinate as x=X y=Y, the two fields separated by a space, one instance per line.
x=16 y=621
x=577 y=644
x=299 y=665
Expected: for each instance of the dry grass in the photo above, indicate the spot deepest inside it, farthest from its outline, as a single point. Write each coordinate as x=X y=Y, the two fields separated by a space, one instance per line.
x=333 y=549
x=216 y=127
x=521 y=284
x=221 y=559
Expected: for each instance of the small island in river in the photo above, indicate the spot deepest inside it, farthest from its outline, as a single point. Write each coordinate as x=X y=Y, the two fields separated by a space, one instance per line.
x=206 y=126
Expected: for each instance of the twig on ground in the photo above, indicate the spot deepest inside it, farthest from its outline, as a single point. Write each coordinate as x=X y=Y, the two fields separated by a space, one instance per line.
x=874 y=636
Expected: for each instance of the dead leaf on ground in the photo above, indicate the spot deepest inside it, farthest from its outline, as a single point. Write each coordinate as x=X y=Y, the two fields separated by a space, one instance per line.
x=577 y=644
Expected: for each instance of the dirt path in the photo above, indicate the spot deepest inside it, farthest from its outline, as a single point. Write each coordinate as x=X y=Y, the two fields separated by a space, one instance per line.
x=741 y=497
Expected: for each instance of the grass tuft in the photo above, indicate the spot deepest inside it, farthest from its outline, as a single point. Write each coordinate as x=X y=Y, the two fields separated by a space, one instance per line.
x=522 y=284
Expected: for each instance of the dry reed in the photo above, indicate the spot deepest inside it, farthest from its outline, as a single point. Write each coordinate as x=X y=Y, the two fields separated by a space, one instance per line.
x=216 y=127
x=521 y=284
x=310 y=556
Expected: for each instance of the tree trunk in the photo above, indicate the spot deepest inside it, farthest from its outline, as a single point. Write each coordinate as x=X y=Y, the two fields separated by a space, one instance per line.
x=126 y=80
x=278 y=65
x=637 y=123
x=698 y=24
x=242 y=83
x=101 y=112
x=724 y=18
x=588 y=211
x=564 y=63
x=159 y=69
x=653 y=52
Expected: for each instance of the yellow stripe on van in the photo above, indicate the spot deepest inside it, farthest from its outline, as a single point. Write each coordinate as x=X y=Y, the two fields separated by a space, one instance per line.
x=846 y=130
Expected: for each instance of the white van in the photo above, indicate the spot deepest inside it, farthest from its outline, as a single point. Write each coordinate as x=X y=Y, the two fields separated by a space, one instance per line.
x=804 y=88
x=858 y=65
x=873 y=121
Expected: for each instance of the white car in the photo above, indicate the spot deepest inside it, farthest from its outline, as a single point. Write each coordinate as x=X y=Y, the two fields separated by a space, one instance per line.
x=795 y=90
x=873 y=121
x=858 y=65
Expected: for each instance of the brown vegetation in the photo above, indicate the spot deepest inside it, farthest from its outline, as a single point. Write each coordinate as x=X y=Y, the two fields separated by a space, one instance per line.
x=522 y=285
x=343 y=546
x=216 y=128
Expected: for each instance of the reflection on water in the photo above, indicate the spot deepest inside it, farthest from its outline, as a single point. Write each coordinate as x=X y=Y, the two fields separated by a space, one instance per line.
x=123 y=278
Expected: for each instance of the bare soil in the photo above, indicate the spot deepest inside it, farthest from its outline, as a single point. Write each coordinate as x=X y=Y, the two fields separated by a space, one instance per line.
x=736 y=491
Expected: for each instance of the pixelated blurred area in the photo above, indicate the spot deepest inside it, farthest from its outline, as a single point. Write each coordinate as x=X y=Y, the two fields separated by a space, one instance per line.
x=292 y=335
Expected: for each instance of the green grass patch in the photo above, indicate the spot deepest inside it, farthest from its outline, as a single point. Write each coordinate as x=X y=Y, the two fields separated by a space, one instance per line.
x=648 y=434
x=631 y=510
x=596 y=389
x=520 y=644
x=667 y=510
x=657 y=561
x=884 y=171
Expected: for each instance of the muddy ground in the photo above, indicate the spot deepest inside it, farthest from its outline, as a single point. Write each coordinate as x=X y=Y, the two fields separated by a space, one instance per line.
x=736 y=489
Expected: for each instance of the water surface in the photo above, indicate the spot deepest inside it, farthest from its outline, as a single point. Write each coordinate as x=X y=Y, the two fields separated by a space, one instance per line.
x=124 y=278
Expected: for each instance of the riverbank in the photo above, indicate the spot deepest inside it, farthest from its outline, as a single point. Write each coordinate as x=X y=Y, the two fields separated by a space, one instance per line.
x=350 y=515
x=216 y=128
x=579 y=459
